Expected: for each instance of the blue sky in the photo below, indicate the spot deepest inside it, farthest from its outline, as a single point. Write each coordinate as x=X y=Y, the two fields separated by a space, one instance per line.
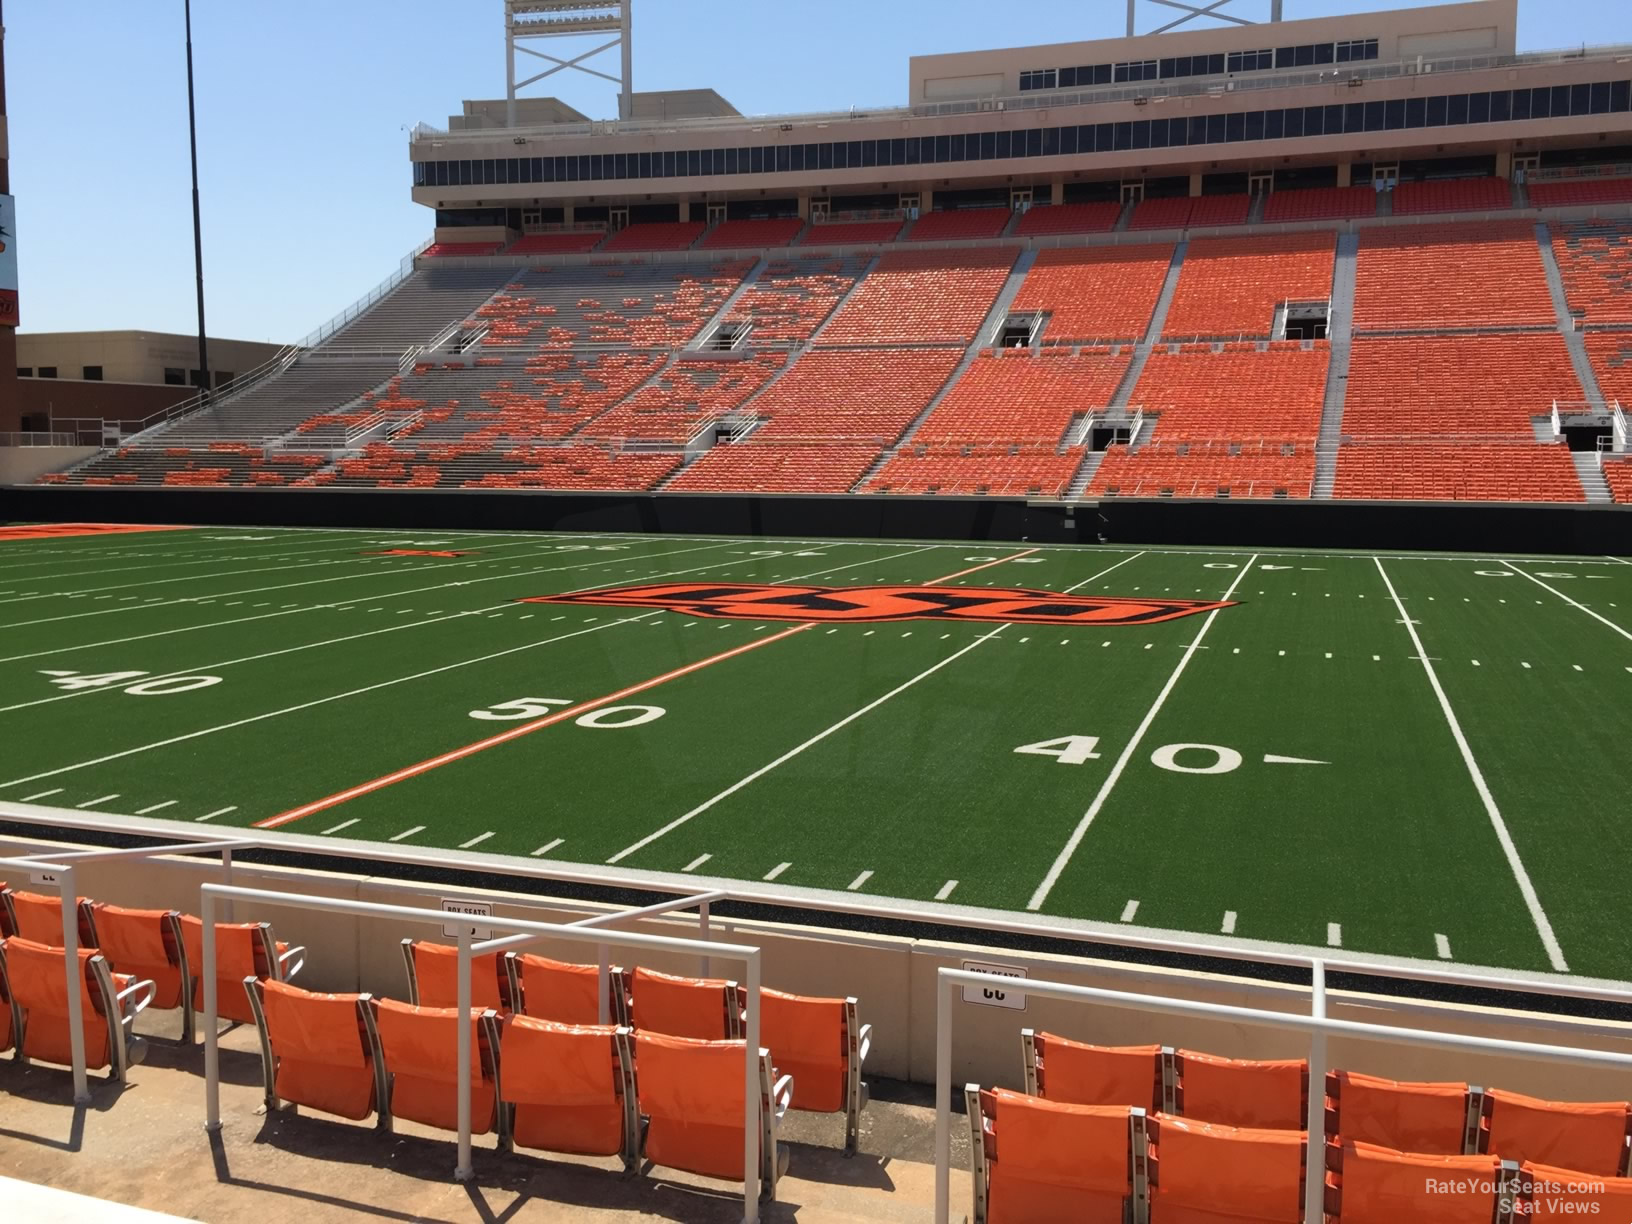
x=304 y=108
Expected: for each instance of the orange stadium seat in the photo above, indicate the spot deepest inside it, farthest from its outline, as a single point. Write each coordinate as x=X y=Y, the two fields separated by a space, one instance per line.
x=242 y=949
x=707 y=1009
x=419 y=1045
x=979 y=469
x=319 y=1050
x=774 y=467
x=1589 y=1137
x=39 y=917
x=1369 y=1184
x=1012 y=396
x=819 y=1043
x=1320 y=203
x=923 y=297
x=1452 y=195
x=148 y=944
x=35 y=981
x=772 y=232
x=1096 y=293
x=852 y=394
x=569 y=242
x=1231 y=286
x=570 y=1088
x=1042 y=220
x=1548 y=1193
x=850 y=233
x=1236 y=392
x=1075 y=1073
x=1580 y=191
x=442 y=250
x=1457 y=471
x=1238 y=1092
x=1206 y=1173
x=1485 y=273
x=1038 y=1161
x=433 y=976
x=1595 y=260
x=1427 y=1118
x=959 y=223
x=1209 y=469
x=1618 y=475
x=1172 y=212
x=656 y=236
x=554 y=990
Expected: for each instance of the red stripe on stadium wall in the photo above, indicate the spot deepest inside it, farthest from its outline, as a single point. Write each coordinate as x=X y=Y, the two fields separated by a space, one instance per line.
x=514 y=733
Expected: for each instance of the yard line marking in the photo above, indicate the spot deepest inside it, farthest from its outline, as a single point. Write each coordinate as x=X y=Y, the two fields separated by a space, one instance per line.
x=543 y=850
x=1544 y=928
x=476 y=841
x=1334 y=934
x=1129 y=910
x=156 y=807
x=777 y=870
x=1229 y=923
x=407 y=833
x=975 y=569
x=1526 y=666
x=214 y=814
x=946 y=890
x=1094 y=809
x=858 y=881
x=697 y=862
x=1603 y=620
x=93 y=802
x=686 y=818
x=344 y=824
x=1577 y=666
x=46 y=794
x=1442 y=946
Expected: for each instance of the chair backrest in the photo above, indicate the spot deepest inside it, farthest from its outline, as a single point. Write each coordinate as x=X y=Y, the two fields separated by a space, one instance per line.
x=1047 y=1161
x=1427 y=1118
x=1550 y=1193
x=433 y=976
x=420 y=1045
x=555 y=990
x=322 y=1048
x=1589 y=1137
x=242 y=949
x=1368 y=1184
x=690 y=1091
x=36 y=978
x=812 y=1040
x=38 y=917
x=8 y=1009
x=147 y=943
x=1075 y=1073
x=571 y=1087
x=1269 y=1095
x=707 y=1009
x=1202 y=1173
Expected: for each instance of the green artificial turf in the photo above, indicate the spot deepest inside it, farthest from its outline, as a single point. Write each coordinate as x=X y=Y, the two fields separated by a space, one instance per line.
x=876 y=757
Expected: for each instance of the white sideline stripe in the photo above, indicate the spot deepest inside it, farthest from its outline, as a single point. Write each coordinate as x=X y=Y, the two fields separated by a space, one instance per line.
x=1442 y=946
x=217 y=812
x=777 y=870
x=1129 y=910
x=407 y=833
x=90 y=803
x=543 y=850
x=697 y=862
x=476 y=841
x=1229 y=923
x=838 y=726
x=858 y=881
x=1603 y=620
x=946 y=890
x=1544 y=928
x=344 y=824
x=156 y=807
x=1334 y=934
x=1098 y=805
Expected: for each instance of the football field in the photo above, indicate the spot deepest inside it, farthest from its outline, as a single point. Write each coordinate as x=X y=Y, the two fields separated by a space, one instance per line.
x=1426 y=757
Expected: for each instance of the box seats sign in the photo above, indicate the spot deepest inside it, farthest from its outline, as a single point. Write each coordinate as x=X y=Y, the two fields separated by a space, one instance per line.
x=8 y=261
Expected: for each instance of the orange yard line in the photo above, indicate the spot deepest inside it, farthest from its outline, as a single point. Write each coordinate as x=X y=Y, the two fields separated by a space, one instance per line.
x=514 y=733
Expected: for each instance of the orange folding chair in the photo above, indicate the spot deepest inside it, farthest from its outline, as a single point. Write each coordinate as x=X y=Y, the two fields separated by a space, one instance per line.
x=817 y=1041
x=319 y=1050
x=1589 y=1137
x=38 y=917
x=1037 y=1161
x=420 y=1046
x=1267 y=1095
x=708 y=1009
x=691 y=1102
x=1550 y=1193
x=10 y=1025
x=433 y=976
x=555 y=990
x=1368 y=1184
x=34 y=979
x=1436 y=1119
x=1075 y=1073
x=1204 y=1173
x=242 y=949
x=570 y=1088
x=148 y=944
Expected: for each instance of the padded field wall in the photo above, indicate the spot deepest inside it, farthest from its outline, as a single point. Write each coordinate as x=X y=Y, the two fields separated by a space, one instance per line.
x=1438 y=526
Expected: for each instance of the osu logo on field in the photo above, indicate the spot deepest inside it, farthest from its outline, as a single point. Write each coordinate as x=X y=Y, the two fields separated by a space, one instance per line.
x=839 y=605
x=416 y=552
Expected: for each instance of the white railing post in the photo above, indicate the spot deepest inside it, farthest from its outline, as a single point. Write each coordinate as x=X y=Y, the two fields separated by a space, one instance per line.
x=212 y=1044
x=753 y=1106
x=1314 y=1191
x=605 y=955
x=702 y=933
x=464 y=1171
x=76 y=983
x=943 y=1097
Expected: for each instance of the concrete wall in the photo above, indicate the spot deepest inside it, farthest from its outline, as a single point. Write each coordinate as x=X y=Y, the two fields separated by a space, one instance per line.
x=135 y=356
x=22 y=464
x=69 y=400
x=894 y=982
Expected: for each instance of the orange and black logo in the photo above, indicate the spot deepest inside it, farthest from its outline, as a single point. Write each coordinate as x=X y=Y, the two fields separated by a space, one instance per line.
x=416 y=552
x=863 y=604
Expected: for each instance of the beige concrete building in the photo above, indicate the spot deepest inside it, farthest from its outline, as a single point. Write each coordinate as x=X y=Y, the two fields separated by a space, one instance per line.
x=157 y=358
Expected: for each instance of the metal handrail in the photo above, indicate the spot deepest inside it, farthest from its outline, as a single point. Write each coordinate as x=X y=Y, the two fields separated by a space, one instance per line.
x=405 y=269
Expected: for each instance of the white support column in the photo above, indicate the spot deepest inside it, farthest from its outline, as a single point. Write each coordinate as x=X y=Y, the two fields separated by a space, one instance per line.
x=1195 y=184
x=1057 y=195
x=76 y=984
x=1314 y=1190
x=626 y=98
x=212 y=1040
x=943 y=1098
x=1345 y=174
x=752 y=1103
x=464 y=1172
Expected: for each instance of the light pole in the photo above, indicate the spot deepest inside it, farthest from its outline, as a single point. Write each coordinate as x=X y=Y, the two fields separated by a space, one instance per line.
x=198 y=229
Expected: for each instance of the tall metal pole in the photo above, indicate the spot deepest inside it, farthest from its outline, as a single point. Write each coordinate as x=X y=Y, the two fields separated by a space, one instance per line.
x=198 y=227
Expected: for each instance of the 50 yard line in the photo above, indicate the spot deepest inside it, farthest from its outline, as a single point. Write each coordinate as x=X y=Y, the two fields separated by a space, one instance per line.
x=1544 y=928
x=1094 y=809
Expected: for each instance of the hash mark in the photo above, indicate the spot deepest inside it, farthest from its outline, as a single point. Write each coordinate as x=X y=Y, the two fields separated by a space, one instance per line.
x=1334 y=934
x=946 y=890
x=94 y=802
x=1442 y=945
x=543 y=850
x=1129 y=910
x=476 y=841
x=697 y=862
x=1229 y=923
x=859 y=881
x=155 y=807
x=777 y=870
x=218 y=812
x=58 y=790
x=407 y=833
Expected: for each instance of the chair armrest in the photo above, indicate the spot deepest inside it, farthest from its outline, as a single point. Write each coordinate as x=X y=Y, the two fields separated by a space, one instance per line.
x=864 y=1042
x=782 y=1095
x=284 y=958
x=150 y=989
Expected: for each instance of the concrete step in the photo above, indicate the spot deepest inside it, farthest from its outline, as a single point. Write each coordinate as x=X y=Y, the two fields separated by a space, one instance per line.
x=1573 y=340
x=1153 y=333
x=1591 y=477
